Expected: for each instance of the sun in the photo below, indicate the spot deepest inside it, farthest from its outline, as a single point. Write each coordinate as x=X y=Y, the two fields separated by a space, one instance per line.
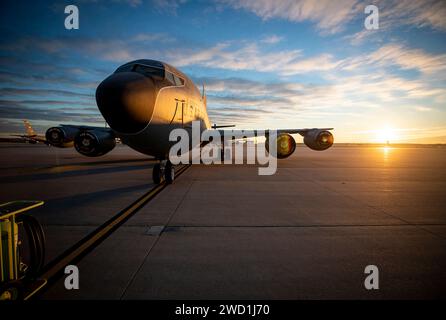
x=386 y=135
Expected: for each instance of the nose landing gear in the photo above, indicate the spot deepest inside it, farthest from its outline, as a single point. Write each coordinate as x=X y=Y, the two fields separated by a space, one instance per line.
x=163 y=171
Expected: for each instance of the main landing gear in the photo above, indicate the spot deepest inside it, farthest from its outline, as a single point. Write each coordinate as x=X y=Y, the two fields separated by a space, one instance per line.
x=163 y=170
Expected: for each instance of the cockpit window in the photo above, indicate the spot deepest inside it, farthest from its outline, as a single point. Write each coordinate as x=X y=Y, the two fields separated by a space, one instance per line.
x=170 y=77
x=153 y=69
x=125 y=68
x=173 y=79
x=178 y=80
x=148 y=71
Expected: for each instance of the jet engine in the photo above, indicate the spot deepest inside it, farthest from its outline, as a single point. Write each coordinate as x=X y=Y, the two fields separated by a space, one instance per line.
x=318 y=140
x=94 y=143
x=61 y=137
x=286 y=145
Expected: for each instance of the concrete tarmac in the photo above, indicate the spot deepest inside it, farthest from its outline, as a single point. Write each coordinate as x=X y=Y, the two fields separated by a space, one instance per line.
x=223 y=232
x=80 y=193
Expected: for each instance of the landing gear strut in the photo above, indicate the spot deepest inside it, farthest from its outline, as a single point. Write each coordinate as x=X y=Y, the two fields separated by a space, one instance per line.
x=163 y=171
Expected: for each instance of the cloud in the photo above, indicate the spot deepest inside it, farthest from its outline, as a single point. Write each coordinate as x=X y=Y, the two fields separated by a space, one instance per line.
x=233 y=98
x=229 y=55
x=324 y=62
x=398 y=55
x=332 y=16
x=41 y=92
x=250 y=57
x=132 y=3
x=24 y=73
x=169 y=6
x=292 y=62
x=423 y=109
x=32 y=110
x=329 y=16
x=395 y=14
x=111 y=49
x=407 y=58
x=416 y=13
x=344 y=95
x=272 y=39
x=360 y=37
x=431 y=134
x=78 y=105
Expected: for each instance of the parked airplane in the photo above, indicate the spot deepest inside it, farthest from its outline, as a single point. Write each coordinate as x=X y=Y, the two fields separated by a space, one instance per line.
x=30 y=135
x=142 y=102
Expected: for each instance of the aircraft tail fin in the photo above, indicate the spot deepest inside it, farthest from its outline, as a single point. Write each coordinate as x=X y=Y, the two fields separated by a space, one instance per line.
x=28 y=128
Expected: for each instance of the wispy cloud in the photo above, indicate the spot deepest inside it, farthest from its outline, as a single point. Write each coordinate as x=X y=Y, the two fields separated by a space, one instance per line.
x=350 y=95
x=272 y=39
x=41 y=92
x=416 y=13
x=250 y=57
x=400 y=56
x=170 y=6
x=131 y=3
x=409 y=58
x=423 y=109
x=27 y=110
x=329 y=16
x=333 y=16
x=229 y=55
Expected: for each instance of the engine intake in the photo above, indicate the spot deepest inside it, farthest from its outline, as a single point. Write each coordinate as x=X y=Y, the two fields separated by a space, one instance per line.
x=94 y=143
x=286 y=145
x=318 y=140
x=61 y=136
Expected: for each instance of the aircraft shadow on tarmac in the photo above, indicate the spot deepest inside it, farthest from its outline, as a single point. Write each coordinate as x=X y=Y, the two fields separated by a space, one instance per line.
x=50 y=213
x=74 y=173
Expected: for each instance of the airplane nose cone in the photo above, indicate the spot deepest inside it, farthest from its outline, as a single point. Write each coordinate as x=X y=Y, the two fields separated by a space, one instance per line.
x=126 y=101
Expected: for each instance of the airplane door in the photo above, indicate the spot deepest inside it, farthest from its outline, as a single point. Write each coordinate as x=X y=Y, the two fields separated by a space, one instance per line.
x=178 y=117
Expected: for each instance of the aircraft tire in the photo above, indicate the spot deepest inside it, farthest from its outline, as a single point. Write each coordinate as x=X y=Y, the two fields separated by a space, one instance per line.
x=169 y=173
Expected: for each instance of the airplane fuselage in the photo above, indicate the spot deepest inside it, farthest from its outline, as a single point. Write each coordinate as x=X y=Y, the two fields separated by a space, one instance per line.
x=157 y=98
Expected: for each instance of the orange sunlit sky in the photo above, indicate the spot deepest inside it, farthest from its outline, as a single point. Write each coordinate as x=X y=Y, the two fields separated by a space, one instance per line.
x=265 y=64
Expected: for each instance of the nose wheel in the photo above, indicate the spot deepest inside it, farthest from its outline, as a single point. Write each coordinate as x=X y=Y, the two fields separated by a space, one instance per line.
x=163 y=171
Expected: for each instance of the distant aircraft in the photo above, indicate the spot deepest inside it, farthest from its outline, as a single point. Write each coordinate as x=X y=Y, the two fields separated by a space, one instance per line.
x=30 y=135
x=142 y=102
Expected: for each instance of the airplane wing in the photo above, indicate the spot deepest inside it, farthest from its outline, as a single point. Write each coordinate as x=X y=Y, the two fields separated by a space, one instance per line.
x=256 y=133
x=302 y=132
x=88 y=140
x=65 y=133
x=82 y=127
x=317 y=139
x=29 y=138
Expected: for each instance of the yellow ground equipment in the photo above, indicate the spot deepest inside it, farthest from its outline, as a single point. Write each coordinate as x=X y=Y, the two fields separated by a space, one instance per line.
x=14 y=273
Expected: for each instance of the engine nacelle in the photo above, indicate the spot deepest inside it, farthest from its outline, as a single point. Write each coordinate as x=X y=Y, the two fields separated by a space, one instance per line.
x=286 y=145
x=94 y=143
x=318 y=140
x=61 y=137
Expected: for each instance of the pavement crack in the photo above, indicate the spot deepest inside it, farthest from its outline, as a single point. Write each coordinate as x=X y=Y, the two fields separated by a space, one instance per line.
x=132 y=279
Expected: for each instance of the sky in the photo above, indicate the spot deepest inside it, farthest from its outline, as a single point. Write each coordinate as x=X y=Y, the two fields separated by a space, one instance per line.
x=264 y=63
